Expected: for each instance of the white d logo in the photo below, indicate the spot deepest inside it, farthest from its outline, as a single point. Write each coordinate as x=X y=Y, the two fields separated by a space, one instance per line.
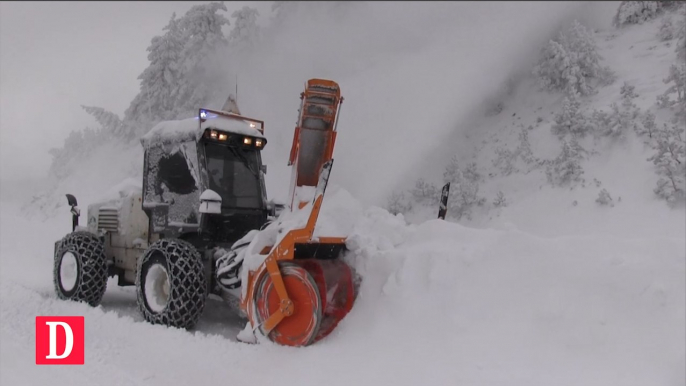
x=53 y=340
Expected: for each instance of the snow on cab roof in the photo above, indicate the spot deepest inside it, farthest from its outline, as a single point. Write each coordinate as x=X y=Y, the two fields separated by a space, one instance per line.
x=188 y=129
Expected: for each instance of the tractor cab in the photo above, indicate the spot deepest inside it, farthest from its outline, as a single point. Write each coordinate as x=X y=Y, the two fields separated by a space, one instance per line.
x=203 y=177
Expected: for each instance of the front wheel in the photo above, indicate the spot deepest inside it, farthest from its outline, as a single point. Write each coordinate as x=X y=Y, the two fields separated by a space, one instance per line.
x=171 y=284
x=80 y=269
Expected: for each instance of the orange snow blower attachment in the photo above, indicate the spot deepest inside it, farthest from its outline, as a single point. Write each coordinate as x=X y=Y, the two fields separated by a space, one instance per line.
x=302 y=290
x=314 y=137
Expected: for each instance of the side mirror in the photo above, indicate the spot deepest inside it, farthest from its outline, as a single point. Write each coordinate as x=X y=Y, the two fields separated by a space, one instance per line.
x=275 y=208
x=72 y=200
x=210 y=202
x=264 y=169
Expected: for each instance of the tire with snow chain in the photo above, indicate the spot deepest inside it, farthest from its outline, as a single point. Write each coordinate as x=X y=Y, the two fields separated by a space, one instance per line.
x=171 y=284
x=80 y=270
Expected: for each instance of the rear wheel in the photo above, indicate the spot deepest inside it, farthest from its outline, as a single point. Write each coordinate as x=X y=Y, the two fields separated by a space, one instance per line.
x=171 y=284
x=301 y=328
x=80 y=269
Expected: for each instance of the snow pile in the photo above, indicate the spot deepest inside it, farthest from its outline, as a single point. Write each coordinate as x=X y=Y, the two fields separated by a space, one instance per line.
x=337 y=218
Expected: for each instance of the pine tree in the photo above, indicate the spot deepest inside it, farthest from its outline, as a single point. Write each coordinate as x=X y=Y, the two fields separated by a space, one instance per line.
x=425 y=193
x=670 y=162
x=566 y=170
x=604 y=198
x=554 y=60
x=464 y=189
x=681 y=36
x=160 y=80
x=571 y=61
x=666 y=31
x=524 y=148
x=398 y=203
x=110 y=123
x=245 y=32
x=582 y=45
x=571 y=120
x=635 y=12
x=647 y=126
x=500 y=201
x=202 y=36
x=677 y=81
x=283 y=11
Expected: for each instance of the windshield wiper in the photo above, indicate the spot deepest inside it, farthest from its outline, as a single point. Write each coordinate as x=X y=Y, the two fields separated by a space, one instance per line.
x=244 y=160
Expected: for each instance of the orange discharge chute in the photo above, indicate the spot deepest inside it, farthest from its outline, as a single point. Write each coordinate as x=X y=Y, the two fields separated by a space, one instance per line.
x=302 y=290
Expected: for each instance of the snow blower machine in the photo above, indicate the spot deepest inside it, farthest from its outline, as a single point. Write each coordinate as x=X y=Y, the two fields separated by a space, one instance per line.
x=201 y=225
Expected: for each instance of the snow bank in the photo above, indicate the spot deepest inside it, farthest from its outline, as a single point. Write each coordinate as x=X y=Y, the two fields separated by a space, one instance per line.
x=439 y=304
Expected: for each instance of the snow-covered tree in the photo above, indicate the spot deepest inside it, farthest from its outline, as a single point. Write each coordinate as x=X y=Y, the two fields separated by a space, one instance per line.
x=202 y=36
x=507 y=160
x=635 y=12
x=425 y=193
x=464 y=189
x=680 y=35
x=677 y=85
x=552 y=66
x=500 y=201
x=677 y=76
x=621 y=119
x=181 y=75
x=670 y=162
x=524 y=148
x=284 y=11
x=666 y=30
x=571 y=61
x=245 y=30
x=566 y=169
x=604 y=198
x=110 y=123
x=471 y=173
x=79 y=143
x=160 y=80
x=582 y=46
x=571 y=121
x=398 y=203
x=647 y=126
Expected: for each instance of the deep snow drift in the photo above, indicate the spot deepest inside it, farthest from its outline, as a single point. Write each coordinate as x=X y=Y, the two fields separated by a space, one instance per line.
x=439 y=304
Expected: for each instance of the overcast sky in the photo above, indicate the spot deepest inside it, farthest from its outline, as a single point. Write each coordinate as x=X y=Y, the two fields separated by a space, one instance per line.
x=55 y=56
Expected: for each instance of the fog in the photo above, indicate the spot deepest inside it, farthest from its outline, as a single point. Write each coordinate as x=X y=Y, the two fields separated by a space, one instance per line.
x=410 y=72
x=57 y=56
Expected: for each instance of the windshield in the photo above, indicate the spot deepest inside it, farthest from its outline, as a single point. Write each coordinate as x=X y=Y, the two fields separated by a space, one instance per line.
x=234 y=175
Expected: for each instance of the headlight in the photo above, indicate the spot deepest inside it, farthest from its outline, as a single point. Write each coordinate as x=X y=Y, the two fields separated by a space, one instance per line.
x=213 y=134
x=203 y=114
x=223 y=137
x=252 y=125
x=247 y=141
x=258 y=143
